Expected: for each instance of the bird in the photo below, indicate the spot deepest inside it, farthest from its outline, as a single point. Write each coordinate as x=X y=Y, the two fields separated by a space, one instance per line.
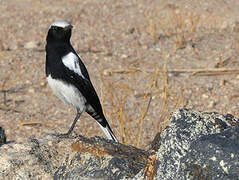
x=69 y=79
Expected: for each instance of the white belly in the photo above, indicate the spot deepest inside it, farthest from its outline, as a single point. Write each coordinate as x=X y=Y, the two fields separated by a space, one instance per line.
x=67 y=93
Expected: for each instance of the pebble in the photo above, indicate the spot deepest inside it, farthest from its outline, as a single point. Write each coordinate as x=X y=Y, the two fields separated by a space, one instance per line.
x=43 y=83
x=11 y=46
x=50 y=143
x=28 y=82
x=223 y=82
x=124 y=56
x=31 y=45
x=31 y=90
x=211 y=104
x=205 y=96
x=158 y=49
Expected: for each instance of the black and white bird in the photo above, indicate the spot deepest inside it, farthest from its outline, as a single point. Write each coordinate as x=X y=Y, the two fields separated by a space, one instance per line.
x=68 y=77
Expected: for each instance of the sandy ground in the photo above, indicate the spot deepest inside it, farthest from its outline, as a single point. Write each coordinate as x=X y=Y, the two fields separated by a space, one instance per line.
x=145 y=59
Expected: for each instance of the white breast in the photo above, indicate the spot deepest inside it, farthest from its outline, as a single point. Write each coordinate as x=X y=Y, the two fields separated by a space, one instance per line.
x=67 y=93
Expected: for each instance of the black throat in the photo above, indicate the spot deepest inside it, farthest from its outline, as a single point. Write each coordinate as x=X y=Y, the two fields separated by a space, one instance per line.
x=58 y=45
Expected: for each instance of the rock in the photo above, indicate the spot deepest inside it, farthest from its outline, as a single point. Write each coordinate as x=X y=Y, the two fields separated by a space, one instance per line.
x=99 y=158
x=31 y=45
x=10 y=46
x=211 y=104
x=213 y=157
x=31 y=90
x=185 y=147
x=70 y=158
x=3 y=138
x=196 y=145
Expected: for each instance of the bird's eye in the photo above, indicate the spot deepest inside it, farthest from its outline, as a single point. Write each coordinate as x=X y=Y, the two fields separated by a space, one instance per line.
x=55 y=28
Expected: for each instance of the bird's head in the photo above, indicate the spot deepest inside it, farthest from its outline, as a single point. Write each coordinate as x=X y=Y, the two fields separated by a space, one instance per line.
x=59 y=31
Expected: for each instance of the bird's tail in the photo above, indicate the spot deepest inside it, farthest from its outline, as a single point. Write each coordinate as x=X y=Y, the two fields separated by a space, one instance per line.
x=100 y=119
x=108 y=131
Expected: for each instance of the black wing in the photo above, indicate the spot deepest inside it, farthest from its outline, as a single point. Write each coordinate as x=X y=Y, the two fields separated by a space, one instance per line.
x=85 y=86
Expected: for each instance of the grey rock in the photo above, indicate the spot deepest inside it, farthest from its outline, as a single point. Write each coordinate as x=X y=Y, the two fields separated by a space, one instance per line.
x=196 y=145
x=213 y=157
x=3 y=138
x=70 y=158
x=181 y=141
x=103 y=160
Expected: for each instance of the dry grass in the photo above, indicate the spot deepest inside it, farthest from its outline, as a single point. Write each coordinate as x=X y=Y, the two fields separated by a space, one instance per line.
x=150 y=167
x=207 y=72
x=118 y=95
x=178 y=26
x=132 y=127
x=8 y=86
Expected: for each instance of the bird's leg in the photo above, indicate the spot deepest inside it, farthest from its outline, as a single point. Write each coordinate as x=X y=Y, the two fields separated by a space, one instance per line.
x=72 y=126
x=74 y=122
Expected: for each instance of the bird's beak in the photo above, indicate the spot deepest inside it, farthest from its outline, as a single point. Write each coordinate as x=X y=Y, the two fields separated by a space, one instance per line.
x=69 y=27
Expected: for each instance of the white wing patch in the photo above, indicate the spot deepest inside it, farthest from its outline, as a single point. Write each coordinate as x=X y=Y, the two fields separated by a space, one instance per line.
x=71 y=62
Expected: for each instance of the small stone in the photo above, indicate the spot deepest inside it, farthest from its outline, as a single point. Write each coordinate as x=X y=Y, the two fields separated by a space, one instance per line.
x=205 y=96
x=236 y=27
x=28 y=127
x=124 y=56
x=50 y=143
x=3 y=138
x=31 y=90
x=223 y=82
x=28 y=82
x=43 y=83
x=11 y=47
x=158 y=49
x=154 y=97
x=131 y=30
x=31 y=45
x=211 y=104
x=224 y=25
x=107 y=72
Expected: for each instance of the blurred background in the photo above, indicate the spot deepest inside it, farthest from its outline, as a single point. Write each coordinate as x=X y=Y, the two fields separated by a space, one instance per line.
x=146 y=58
